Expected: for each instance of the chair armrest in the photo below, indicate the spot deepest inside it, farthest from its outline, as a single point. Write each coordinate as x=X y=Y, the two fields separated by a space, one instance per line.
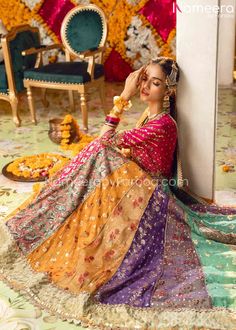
x=91 y=65
x=91 y=52
x=40 y=49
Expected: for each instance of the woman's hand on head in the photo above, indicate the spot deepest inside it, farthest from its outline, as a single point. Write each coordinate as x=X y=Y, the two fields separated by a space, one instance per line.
x=132 y=83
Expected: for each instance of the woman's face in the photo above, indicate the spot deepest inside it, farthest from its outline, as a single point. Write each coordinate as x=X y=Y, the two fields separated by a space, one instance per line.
x=153 y=87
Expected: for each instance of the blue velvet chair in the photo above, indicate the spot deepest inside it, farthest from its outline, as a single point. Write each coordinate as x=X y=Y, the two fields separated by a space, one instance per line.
x=11 y=70
x=19 y=39
x=83 y=34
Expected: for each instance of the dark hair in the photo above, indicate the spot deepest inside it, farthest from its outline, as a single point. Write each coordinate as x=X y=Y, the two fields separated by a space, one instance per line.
x=166 y=64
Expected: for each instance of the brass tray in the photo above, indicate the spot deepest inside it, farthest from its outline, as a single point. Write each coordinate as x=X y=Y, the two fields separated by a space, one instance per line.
x=14 y=177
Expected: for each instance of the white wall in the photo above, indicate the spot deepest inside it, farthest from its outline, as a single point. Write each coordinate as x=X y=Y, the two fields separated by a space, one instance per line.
x=196 y=99
x=226 y=45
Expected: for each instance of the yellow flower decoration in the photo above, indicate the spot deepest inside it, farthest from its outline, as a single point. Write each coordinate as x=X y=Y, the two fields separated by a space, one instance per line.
x=68 y=119
x=41 y=165
x=119 y=16
x=65 y=134
x=14 y=13
x=67 y=125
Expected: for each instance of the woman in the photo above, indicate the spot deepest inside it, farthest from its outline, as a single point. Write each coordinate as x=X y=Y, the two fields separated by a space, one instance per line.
x=106 y=243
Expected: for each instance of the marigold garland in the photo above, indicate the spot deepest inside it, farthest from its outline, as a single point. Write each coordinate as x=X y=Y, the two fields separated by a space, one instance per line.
x=35 y=166
x=164 y=47
x=119 y=15
x=14 y=13
x=67 y=125
x=46 y=164
x=50 y=33
x=66 y=128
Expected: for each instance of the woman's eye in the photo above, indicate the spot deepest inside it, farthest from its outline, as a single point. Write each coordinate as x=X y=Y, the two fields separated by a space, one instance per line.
x=156 y=84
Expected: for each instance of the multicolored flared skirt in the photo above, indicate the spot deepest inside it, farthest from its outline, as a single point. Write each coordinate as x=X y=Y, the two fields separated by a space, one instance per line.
x=106 y=244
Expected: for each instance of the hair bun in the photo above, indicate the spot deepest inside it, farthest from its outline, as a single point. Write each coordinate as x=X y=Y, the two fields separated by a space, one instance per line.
x=170 y=67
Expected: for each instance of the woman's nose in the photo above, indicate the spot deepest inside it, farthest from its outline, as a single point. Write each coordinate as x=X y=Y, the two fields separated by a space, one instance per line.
x=146 y=84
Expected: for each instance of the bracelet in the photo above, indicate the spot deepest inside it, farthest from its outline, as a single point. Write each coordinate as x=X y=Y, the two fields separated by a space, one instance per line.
x=111 y=125
x=114 y=119
x=120 y=105
x=109 y=121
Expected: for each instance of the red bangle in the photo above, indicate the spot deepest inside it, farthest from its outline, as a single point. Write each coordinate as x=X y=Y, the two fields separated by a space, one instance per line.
x=114 y=119
x=111 y=124
x=109 y=121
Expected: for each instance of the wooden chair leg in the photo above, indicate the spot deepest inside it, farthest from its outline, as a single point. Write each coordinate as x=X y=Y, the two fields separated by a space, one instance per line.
x=44 y=99
x=14 y=106
x=72 y=101
x=103 y=98
x=31 y=105
x=84 y=110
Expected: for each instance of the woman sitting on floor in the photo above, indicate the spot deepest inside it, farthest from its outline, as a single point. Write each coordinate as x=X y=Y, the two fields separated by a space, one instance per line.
x=106 y=243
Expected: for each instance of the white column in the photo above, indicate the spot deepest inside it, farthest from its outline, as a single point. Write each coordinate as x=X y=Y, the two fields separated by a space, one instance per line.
x=226 y=43
x=197 y=31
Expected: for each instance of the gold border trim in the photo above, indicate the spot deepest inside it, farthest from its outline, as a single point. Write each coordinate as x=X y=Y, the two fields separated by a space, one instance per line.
x=82 y=309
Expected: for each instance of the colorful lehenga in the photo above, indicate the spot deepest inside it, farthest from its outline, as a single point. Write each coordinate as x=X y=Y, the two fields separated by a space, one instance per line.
x=106 y=243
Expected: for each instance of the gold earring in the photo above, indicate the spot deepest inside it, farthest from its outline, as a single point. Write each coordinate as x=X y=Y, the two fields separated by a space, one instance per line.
x=166 y=103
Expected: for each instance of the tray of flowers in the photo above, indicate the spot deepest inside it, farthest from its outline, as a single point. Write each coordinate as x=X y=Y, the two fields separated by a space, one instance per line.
x=34 y=168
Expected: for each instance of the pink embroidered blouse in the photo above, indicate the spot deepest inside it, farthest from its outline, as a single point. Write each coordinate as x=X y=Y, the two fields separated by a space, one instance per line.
x=152 y=146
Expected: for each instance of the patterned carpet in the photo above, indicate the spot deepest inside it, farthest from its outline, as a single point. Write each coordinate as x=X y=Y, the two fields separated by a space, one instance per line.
x=30 y=139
